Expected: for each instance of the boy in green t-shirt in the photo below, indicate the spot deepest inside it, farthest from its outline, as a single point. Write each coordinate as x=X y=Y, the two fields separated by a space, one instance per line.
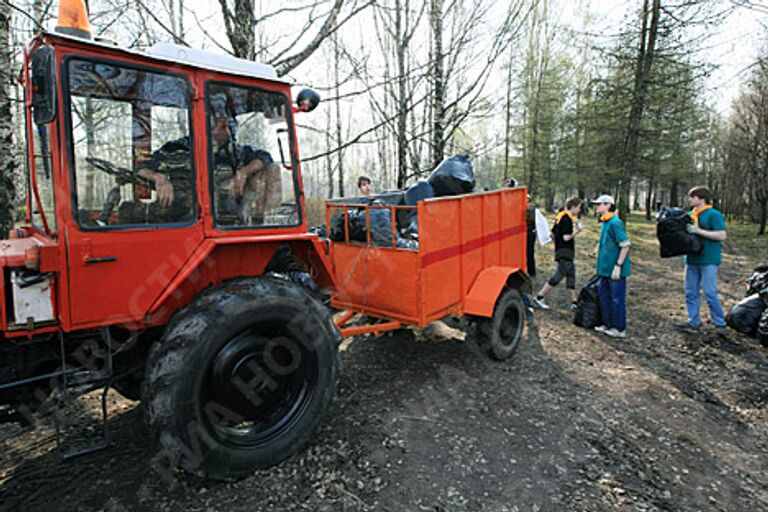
x=701 y=268
x=613 y=267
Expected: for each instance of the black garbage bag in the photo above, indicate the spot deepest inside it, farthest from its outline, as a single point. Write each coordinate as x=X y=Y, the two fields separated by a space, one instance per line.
x=284 y=261
x=745 y=315
x=454 y=176
x=381 y=226
x=407 y=220
x=336 y=231
x=757 y=282
x=674 y=239
x=588 y=305
x=356 y=226
x=762 y=328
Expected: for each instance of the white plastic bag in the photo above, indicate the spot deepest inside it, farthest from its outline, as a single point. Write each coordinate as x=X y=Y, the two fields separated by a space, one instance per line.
x=542 y=228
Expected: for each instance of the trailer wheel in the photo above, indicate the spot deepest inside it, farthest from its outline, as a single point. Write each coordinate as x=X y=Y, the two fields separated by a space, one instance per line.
x=241 y=378
x=499 y=336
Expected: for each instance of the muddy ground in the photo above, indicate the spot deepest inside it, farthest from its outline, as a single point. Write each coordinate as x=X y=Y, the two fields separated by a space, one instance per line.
x=576 y=421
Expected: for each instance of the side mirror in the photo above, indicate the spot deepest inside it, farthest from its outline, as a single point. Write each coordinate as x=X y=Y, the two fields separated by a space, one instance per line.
x=307 y=100
x=43 y=73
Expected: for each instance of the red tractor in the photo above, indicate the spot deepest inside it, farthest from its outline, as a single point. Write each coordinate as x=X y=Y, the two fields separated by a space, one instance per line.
x=164 y=215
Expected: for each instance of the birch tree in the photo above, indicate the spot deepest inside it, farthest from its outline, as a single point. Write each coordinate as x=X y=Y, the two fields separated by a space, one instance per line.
x=8 y=161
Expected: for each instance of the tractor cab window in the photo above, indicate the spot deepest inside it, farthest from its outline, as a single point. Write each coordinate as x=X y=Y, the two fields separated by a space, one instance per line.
x=130 y=131
x=252 y=184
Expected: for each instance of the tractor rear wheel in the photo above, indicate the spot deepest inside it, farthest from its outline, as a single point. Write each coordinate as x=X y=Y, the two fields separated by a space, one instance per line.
x=241 y=378
x=499 y=336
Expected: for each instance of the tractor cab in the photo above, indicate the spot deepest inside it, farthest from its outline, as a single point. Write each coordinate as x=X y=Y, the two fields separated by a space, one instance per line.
x=135 y=159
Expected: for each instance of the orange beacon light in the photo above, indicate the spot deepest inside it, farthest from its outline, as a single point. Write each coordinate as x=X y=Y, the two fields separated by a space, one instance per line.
x=73 y=19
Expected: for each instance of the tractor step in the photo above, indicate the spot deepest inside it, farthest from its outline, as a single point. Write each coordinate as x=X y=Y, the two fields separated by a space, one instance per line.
x=84 y=380
x=89 y=446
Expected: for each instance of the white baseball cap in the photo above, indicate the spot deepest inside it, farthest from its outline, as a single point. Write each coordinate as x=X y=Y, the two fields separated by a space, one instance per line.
x=604 y=199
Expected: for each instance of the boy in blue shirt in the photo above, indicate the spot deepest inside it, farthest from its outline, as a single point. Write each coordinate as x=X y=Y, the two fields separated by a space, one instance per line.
x=613 y=267
x=701 y=268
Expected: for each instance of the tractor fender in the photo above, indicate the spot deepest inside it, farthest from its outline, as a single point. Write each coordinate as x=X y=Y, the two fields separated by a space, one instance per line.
x=489 y=284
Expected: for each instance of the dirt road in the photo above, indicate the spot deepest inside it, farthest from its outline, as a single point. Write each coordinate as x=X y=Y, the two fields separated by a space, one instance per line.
x=575 y=421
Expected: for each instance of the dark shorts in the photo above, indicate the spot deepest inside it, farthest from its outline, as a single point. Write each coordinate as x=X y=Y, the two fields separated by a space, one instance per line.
x=565 y=269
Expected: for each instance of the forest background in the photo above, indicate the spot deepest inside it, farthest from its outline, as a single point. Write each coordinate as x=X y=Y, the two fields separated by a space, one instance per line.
x=637 y=98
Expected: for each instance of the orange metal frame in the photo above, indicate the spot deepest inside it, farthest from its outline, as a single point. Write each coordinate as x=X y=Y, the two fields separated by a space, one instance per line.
x=461 y=238
x=375 y=329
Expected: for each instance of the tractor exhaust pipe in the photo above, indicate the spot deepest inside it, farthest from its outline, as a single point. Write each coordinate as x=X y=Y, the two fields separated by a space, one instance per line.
x=73 y=19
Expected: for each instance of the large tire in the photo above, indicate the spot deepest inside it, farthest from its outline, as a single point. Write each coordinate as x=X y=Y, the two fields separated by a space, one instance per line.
x=499 y=336
x=241 y=378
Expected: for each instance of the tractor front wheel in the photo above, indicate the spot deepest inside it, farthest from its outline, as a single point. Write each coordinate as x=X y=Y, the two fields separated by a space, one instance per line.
x=242 y=378
x=499 y=336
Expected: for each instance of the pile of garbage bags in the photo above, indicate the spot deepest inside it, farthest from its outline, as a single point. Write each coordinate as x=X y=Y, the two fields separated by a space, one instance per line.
x=750 y=315
x=453 y=176
x=671 y=230
x=588 y=305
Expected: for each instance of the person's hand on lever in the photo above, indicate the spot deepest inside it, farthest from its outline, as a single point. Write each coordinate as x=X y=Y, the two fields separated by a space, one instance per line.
x=238 y=183
x=164 y=189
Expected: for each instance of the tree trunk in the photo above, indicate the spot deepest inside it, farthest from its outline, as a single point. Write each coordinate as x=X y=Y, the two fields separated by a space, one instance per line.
x=763 y=218
x=508 y=120
x=673 y=194
x=240 y=24
x=438 y=92
x=644 y=62
x=402 y=98
x=329 y=153
x=7 y=151
x=649 y=199
x=90 y=144
x=339 y=138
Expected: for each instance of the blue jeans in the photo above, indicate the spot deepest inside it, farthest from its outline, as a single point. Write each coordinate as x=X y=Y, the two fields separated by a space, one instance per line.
x=698 y=277
x=613 y=303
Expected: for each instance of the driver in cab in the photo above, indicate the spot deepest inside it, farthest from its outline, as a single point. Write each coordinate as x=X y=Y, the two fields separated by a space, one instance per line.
x=246 y=180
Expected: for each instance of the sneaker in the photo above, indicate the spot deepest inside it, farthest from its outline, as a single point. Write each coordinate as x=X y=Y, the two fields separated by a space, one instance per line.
x=574 y=307
x=540 y=303
x=687 y=328
x=601 y=328
x=613 y=333
x=722 y=332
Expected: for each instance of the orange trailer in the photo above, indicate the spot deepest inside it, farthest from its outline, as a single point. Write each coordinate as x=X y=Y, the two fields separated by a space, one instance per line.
x=470 y=261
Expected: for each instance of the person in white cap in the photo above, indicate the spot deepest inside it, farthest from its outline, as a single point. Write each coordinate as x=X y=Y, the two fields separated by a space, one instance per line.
x=613 y=267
